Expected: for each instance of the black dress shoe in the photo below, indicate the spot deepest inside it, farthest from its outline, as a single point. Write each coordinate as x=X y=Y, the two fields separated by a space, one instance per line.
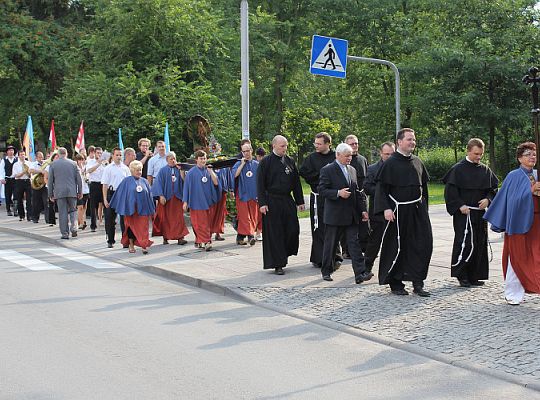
x=464 y=283
x=400 y=292
x=421 y=292
x=316 y=265
x=327 y=278
x=65 y=237
x=337 y=265
x=10 y=214
x=182 y=242
x=279 y=271
x=110 y=245
x=366 y=276
x=477 y=283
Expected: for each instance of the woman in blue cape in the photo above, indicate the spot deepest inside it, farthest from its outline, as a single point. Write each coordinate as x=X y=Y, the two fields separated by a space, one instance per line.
x=133 y=199
x=516 y=211
x=168 y=185
x=199 y=195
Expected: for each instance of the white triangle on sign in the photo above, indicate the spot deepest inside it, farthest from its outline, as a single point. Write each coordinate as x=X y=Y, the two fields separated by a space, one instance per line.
x=328 y=59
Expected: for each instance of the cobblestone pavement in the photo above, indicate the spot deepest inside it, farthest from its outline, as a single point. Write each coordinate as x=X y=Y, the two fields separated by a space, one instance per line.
x=474 y=325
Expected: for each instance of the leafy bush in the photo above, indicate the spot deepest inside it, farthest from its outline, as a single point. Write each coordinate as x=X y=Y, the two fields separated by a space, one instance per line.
x=438 y=160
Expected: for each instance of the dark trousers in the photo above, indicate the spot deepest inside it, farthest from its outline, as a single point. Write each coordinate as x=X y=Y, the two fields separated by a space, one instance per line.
x=110 y=220
x=96 y=197
x=374 y=242
x=332 y=235
x=22 y=190
x=9 y=189
x=39 y=203
x=51 y=212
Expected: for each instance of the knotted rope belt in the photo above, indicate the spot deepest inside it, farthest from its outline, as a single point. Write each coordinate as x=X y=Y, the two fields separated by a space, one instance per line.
x=468 y=225
x=396 y=212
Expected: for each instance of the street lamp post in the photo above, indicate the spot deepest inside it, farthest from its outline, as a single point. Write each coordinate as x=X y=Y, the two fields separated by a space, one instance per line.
x=533 y=79
x=244 y=66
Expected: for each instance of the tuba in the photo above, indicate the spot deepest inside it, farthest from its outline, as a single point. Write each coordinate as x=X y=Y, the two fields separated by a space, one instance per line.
x=38 y=180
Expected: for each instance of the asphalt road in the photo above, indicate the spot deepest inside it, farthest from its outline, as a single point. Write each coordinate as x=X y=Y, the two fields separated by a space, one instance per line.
x=77 y=327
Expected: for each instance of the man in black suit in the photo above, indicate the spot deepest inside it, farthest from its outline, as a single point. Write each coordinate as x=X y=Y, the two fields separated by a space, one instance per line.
x=344 y=208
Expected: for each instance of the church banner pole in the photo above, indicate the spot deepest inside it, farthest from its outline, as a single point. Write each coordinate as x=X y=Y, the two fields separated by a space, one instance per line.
x=532 y=79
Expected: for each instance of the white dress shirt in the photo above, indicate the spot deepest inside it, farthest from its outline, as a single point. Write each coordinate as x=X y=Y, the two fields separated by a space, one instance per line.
x=114 y=174
x=18 y=168
x=98 y=173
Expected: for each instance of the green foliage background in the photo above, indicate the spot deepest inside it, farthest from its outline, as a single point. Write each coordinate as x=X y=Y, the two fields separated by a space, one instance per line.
x=135 y=64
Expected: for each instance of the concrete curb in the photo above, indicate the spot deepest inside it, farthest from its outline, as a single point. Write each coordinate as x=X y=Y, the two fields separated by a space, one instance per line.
x=238 y=295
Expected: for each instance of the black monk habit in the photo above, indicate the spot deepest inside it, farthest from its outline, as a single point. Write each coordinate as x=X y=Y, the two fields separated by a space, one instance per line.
x=360 y=164
x=466 y=184
x=310 y=170
x=405 y=179
x=277 y=177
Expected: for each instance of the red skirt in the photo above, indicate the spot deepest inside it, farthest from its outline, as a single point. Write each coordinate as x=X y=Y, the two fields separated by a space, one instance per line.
x=524 y=253
x=200 y=222
x=218 y=212
x=139 y=226
x=248 y=216
x=169 y=220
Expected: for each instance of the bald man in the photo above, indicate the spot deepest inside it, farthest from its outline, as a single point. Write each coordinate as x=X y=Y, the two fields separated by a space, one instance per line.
x=277 y=177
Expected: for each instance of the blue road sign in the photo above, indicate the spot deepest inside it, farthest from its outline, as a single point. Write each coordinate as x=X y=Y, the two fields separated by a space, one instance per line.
x=329 y=56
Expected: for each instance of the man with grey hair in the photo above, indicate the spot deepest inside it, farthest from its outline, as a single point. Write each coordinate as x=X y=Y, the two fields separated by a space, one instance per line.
x=277 y=177
x=129 y=155
x=344 y=209
x=65 y=187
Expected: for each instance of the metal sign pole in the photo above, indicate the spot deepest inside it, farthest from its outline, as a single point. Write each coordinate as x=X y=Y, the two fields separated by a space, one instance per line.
x=396 y=72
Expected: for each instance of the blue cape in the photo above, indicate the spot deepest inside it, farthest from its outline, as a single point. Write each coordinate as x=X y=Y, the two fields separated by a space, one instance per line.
x=162 y=185
x=512 y=209
x=247 y=187
x=199 y=195
x=126 y=198
x=226 y=180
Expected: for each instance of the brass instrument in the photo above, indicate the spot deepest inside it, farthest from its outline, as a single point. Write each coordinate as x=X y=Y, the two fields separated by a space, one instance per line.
x=38 y=180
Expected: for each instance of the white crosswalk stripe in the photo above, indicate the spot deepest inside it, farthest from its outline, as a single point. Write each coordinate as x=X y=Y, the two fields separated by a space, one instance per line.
x=25 y=261
x=82 y=258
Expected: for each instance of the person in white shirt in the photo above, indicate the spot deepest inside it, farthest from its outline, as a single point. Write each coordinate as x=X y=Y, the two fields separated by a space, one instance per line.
x=83 y=201
x=113 y=174
x=94 y=168
x=39 y=196
x=21 y=173
x=157 y=162
x=6 y=178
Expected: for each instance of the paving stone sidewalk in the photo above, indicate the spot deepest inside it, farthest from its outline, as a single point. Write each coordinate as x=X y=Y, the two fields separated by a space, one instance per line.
x=473 y=325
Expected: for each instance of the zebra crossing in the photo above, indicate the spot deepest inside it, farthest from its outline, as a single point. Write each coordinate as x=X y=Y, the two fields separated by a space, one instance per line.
x=64 y=259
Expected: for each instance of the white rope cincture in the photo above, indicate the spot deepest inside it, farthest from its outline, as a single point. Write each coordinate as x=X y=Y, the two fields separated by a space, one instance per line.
x=468 y=225
x=396 y=212
x=315 y=212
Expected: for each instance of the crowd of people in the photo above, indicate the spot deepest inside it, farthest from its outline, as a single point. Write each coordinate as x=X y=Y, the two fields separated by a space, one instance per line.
x=357 y=211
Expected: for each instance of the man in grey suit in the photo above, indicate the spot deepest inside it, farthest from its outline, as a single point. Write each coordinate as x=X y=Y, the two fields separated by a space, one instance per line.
x=65 y=187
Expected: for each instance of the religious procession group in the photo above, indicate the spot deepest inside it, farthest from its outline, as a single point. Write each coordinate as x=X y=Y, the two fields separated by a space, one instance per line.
x=142 y=187
x=137 y=187
x=395 y=222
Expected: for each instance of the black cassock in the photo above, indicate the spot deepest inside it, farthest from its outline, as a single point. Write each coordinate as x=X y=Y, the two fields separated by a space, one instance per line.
x=360 y=164
x=310 y=169
x=277 y=177
x=466 y=184
x=405 y=179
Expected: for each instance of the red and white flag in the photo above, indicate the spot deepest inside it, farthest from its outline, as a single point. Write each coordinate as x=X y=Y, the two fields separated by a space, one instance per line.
x=79 y=144
x=52 y=137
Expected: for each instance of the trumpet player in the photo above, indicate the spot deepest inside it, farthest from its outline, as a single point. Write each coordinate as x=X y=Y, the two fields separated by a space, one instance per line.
x=21 y=173
x=39 y=191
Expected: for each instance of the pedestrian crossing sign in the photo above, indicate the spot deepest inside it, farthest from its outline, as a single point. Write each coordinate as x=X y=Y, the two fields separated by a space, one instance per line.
x=329 y=56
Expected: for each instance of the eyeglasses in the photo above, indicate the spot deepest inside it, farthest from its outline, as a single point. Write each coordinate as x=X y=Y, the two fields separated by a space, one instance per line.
x=529 y=154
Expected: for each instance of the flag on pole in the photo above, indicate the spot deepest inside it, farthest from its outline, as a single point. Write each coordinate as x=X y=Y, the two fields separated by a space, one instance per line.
x=52 y=138
x=166 y=138
x=120 y=142
x=79 y=144
x=28 y=140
